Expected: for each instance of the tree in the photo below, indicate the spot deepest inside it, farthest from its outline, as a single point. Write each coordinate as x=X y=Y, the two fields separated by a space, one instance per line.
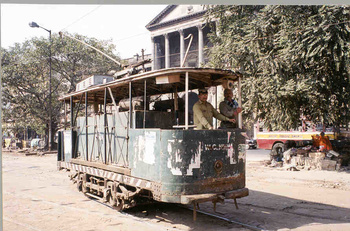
x=26 y=76
x=294 y=60
x=74 y=60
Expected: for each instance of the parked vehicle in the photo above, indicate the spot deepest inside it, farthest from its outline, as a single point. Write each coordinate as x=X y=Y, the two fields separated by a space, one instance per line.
x=126 y=150
x=251 y=144
x=279 y=141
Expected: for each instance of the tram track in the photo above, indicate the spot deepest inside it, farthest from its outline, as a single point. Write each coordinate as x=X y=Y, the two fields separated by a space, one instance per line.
x=248 y=226
x=285 y=210
x=254 y=227
x=237 y=222
x=218 y=215
x=127 y=214
x=96 y=199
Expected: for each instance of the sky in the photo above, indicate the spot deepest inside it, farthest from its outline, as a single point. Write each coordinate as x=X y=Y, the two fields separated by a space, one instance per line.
x=123 y=25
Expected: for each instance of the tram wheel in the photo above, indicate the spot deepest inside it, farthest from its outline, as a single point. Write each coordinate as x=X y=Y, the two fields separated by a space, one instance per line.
x=119 y=205
x=110 y=200
x=80 y=185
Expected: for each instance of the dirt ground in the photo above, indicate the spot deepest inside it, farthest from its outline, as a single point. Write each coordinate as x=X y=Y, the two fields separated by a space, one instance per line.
x=38 y=197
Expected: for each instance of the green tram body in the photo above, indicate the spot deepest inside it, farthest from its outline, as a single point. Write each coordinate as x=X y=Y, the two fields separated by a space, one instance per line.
x=128 y=157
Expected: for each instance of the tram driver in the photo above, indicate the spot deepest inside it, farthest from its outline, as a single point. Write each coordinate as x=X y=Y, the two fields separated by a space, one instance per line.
x=203 y=112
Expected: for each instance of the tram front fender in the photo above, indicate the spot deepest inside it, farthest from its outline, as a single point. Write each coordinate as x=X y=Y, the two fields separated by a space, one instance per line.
x=199 y=198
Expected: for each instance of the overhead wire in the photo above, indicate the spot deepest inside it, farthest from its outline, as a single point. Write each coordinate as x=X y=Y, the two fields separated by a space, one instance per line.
x=81 y=17
x=136 y=35
x=132 y=36
x=118 y=40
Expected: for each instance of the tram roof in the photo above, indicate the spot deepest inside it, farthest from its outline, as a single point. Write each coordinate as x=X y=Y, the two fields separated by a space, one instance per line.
x=198 y=78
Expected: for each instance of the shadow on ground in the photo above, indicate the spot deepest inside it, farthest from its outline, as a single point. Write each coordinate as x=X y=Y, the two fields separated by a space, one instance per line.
x=259 y=209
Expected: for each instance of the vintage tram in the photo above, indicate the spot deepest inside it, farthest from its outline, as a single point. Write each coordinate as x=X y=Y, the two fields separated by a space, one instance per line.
x=132 y=140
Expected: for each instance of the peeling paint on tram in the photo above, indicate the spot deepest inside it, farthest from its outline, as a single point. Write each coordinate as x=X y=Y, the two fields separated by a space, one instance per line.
x=178 y=153
x=145 y=146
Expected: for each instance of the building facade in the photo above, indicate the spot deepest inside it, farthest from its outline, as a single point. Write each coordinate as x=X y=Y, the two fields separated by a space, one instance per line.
x=176 y=29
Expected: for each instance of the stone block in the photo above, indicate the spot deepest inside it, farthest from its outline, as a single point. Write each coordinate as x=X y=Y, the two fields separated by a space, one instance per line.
x=328 y=165
x=298 y=160
x=320 y=155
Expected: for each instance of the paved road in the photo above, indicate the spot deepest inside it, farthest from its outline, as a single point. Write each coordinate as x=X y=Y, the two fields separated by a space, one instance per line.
x=38 y=197
x=258 y=154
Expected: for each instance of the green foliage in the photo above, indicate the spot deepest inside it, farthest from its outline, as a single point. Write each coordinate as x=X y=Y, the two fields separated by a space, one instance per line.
x=74 y=61
x=295 y=60
x=26 y=77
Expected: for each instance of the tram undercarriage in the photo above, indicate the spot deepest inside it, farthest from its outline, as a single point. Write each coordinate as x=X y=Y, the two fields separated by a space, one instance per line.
x=121 y=196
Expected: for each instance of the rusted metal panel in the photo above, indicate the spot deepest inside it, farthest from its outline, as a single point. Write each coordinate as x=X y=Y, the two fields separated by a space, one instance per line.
x=144 y=153
x=203 y=161
x=181 y=162
x=188 y=162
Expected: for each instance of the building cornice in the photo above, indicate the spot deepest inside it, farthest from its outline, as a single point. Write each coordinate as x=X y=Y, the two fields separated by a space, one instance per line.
x=160 y=15
x=153 y=25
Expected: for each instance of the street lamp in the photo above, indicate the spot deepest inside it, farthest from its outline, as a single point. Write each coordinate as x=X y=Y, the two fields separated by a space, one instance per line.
x=34 y=24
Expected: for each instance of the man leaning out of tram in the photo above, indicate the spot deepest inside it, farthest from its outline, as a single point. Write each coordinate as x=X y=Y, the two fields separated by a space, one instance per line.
x=229 y=108
x=203 y=112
